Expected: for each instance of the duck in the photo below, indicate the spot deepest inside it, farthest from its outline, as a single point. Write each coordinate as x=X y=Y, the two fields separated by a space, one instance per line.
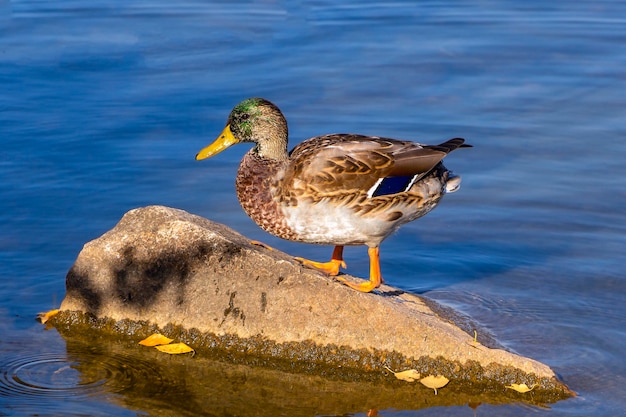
x=340 y=189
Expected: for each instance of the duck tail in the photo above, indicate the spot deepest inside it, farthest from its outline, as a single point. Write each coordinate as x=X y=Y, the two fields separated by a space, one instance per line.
x=450 y=145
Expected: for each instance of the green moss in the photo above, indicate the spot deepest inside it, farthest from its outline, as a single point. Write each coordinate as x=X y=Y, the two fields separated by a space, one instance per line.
x=336 y=363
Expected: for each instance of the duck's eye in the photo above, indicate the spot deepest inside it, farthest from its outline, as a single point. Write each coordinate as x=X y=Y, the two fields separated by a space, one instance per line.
x=245 y=116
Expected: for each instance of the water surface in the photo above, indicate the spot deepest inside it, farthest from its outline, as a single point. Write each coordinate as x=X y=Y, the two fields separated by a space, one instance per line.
x=104 y=105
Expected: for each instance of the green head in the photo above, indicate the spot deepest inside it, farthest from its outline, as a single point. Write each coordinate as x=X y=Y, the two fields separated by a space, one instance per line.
x=253 y=120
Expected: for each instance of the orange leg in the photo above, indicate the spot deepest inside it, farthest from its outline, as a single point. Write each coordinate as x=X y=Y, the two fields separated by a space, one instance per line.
x=375 y=277
x=331 y=267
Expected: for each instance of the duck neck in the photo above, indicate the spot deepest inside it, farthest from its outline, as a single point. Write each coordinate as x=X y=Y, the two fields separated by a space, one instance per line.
x=272 y=149
x=271 y=134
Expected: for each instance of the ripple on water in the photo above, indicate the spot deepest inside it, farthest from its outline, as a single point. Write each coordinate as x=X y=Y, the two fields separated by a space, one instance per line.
x=42 y=379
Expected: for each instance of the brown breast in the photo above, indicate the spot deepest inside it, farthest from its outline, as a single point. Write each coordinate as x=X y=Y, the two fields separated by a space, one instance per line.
x=255 y=181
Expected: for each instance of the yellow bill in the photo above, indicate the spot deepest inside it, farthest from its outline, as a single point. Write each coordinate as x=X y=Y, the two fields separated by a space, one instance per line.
x=223 y=141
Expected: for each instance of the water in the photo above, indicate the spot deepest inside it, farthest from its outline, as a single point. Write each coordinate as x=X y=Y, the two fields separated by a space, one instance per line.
x=104 y=105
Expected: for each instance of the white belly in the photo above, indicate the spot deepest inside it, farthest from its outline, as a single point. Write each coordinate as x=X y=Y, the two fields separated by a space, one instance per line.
x=327 y=224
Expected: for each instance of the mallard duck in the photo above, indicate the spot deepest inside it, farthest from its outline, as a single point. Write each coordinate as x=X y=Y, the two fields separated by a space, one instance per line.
x=337 y=189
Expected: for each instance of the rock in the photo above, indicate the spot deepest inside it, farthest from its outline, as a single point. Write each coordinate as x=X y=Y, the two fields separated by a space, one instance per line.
x=170 y=268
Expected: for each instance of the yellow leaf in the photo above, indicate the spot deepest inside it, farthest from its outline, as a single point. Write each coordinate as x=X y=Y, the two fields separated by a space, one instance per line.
x=44 y=317
x=474 y=343
x=175 y=348
x=261 y=244
x=410 y=375
x=520 y=387
x=435 y=382
x=155 y=340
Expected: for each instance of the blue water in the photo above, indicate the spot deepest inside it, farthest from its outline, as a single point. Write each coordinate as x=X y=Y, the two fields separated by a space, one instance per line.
x=104 y=105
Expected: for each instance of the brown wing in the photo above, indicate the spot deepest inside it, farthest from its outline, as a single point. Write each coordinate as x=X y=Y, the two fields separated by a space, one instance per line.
x=347 y=164
x=422 y=160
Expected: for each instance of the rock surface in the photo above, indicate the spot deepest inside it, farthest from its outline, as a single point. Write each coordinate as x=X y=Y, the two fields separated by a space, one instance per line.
x=168 y=267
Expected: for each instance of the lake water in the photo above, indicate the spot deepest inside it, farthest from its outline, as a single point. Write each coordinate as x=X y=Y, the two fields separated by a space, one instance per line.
x=104 y=105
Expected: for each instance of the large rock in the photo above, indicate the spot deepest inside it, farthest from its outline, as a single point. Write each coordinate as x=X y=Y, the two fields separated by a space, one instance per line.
x=168 y=267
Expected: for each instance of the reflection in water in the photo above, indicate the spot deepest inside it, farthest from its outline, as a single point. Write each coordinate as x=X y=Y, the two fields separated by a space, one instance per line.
x=45 y=376
x=123 y=374
x=58 y=384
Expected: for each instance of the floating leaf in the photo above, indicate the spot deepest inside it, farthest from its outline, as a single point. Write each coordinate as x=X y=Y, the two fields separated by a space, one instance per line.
x=44 y=317
x=410 y=375
x=521 y=387
x=175 y=348
x=155 y=340
x=435 y=382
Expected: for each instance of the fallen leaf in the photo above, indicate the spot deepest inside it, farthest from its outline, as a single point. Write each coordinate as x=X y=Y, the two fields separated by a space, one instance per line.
x=175 y=348
x=435 y=382
x=474 y=343
x=520 y=387
x=44 y=317
x=155 y=340
x=410 y=375
x=261 y=244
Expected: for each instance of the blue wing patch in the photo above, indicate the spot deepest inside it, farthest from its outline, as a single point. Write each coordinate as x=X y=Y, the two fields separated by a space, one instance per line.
x=392 y=185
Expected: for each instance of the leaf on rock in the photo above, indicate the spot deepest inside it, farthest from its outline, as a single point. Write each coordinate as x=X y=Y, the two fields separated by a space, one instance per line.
x=155 y=340
x=261 y=244
x=474 y=342
x=435 y=382
x=410 y=375
x=520 y=387
x=44 y=317
x=175 y=348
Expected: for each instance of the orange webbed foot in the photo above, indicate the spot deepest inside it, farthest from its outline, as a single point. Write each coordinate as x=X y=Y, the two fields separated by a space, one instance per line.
x=367 y=286
x=331 y=267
